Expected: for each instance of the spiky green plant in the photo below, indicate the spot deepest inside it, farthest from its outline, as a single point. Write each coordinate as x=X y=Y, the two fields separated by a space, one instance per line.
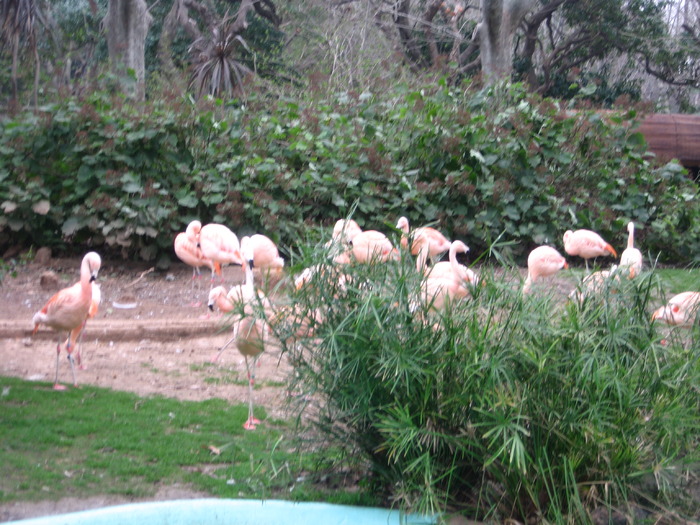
x=217 y=69
x=502 y=405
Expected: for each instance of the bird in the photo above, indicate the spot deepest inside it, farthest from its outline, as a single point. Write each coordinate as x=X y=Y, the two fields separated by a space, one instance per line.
x=451 y=267
x=250 y=337
x=187 y=249
x=68 y=309
x=543 y=261
x=344 y=230
x=220 y=244
x=325 y=273
x=366 y=247
x=266 y=257
x=595 y=282
x=264 y=251
x=244 y=295
x=631 y=257
x=586 y=244
x=447 y=281
x=426 y=242
x=681 y=310
x=94 y=307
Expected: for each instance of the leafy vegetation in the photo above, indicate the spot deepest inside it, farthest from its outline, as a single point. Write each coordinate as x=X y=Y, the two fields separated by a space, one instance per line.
x=503 y=405
x=96 y=441
x=483 y=164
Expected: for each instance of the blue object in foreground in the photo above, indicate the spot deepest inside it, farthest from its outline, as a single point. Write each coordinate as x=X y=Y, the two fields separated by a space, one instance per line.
x=232 y=512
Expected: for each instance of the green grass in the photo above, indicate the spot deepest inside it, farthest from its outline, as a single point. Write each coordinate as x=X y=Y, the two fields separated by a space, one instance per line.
x=91 y=441
x=676 y=281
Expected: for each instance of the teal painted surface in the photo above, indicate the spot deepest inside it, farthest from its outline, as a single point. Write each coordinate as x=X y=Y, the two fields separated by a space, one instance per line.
x=232 y=512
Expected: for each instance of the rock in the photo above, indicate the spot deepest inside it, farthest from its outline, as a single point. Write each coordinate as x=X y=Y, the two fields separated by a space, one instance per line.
x=43 y=256
x=48 y=281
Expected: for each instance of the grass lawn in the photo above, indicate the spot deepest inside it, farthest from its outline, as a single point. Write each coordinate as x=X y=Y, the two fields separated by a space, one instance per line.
x=90 y=441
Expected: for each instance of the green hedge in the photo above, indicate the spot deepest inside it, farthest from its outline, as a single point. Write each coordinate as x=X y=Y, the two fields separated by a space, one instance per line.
x=479 y=163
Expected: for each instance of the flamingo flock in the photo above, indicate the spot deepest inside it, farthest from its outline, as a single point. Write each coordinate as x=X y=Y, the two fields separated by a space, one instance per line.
x=442 y=282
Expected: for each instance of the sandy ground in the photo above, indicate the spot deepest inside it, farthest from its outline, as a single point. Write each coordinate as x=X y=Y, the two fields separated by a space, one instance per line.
x=163 y=346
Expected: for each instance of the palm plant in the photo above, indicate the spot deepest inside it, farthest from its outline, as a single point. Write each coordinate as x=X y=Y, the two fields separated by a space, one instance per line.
x=216 y=69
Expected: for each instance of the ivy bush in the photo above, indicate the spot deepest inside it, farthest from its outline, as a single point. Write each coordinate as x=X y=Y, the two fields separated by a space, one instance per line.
x=481 y=164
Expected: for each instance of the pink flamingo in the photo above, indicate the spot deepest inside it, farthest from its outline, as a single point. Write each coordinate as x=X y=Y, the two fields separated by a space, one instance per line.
x=68 y=309
x=425 y=241
x=187 y=249
x=586 y=244
x=631 y=257
x=368 y=246
x=543 y=261
x=220 y=244
x=448 y=281
x=681 y=310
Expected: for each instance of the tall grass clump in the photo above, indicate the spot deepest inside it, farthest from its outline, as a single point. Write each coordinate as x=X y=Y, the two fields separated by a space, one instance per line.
x=533 y=407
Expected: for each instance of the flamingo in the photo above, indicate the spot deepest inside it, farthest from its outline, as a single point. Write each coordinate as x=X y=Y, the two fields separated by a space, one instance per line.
x=308 y=274
x=242 y=294
x=250 y=337
x=425 y=241
x=264 y=251
x=68 y=309
x=543 y=261
x=220 y=244
x=586 y=244
x=594 y=283
x=631 y=257
x=367 y=247
x=187 y=249
x=344 y=231
x=451 y=267
x=681 y=310
x=447 y=281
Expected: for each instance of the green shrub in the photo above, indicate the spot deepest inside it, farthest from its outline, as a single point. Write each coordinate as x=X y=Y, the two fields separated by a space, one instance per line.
x=503 y=405
x=481 y=164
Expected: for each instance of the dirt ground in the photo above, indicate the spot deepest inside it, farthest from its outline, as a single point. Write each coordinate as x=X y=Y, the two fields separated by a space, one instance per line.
x=163 y=345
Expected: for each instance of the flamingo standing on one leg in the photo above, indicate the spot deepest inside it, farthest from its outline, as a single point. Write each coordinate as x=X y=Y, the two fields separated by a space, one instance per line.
x=631 y=257
x=586 y=244
x=243 y=294
x=187 y=249
x=543 y=261
x=250 y=338
x=220 y=244
x=68 y=309
x=426 y=242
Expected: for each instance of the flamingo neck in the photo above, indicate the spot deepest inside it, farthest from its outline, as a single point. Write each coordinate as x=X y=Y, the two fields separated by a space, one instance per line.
x=630 y=238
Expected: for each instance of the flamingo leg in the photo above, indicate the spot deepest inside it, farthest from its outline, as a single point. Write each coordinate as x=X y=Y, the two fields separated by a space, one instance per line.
x=78 y=353
x=252 y=421
x=72 y=365
x=56 y=384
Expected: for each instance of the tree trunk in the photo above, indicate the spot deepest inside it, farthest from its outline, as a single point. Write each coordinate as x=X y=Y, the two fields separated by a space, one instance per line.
x=126 y=24
x=500 y=19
